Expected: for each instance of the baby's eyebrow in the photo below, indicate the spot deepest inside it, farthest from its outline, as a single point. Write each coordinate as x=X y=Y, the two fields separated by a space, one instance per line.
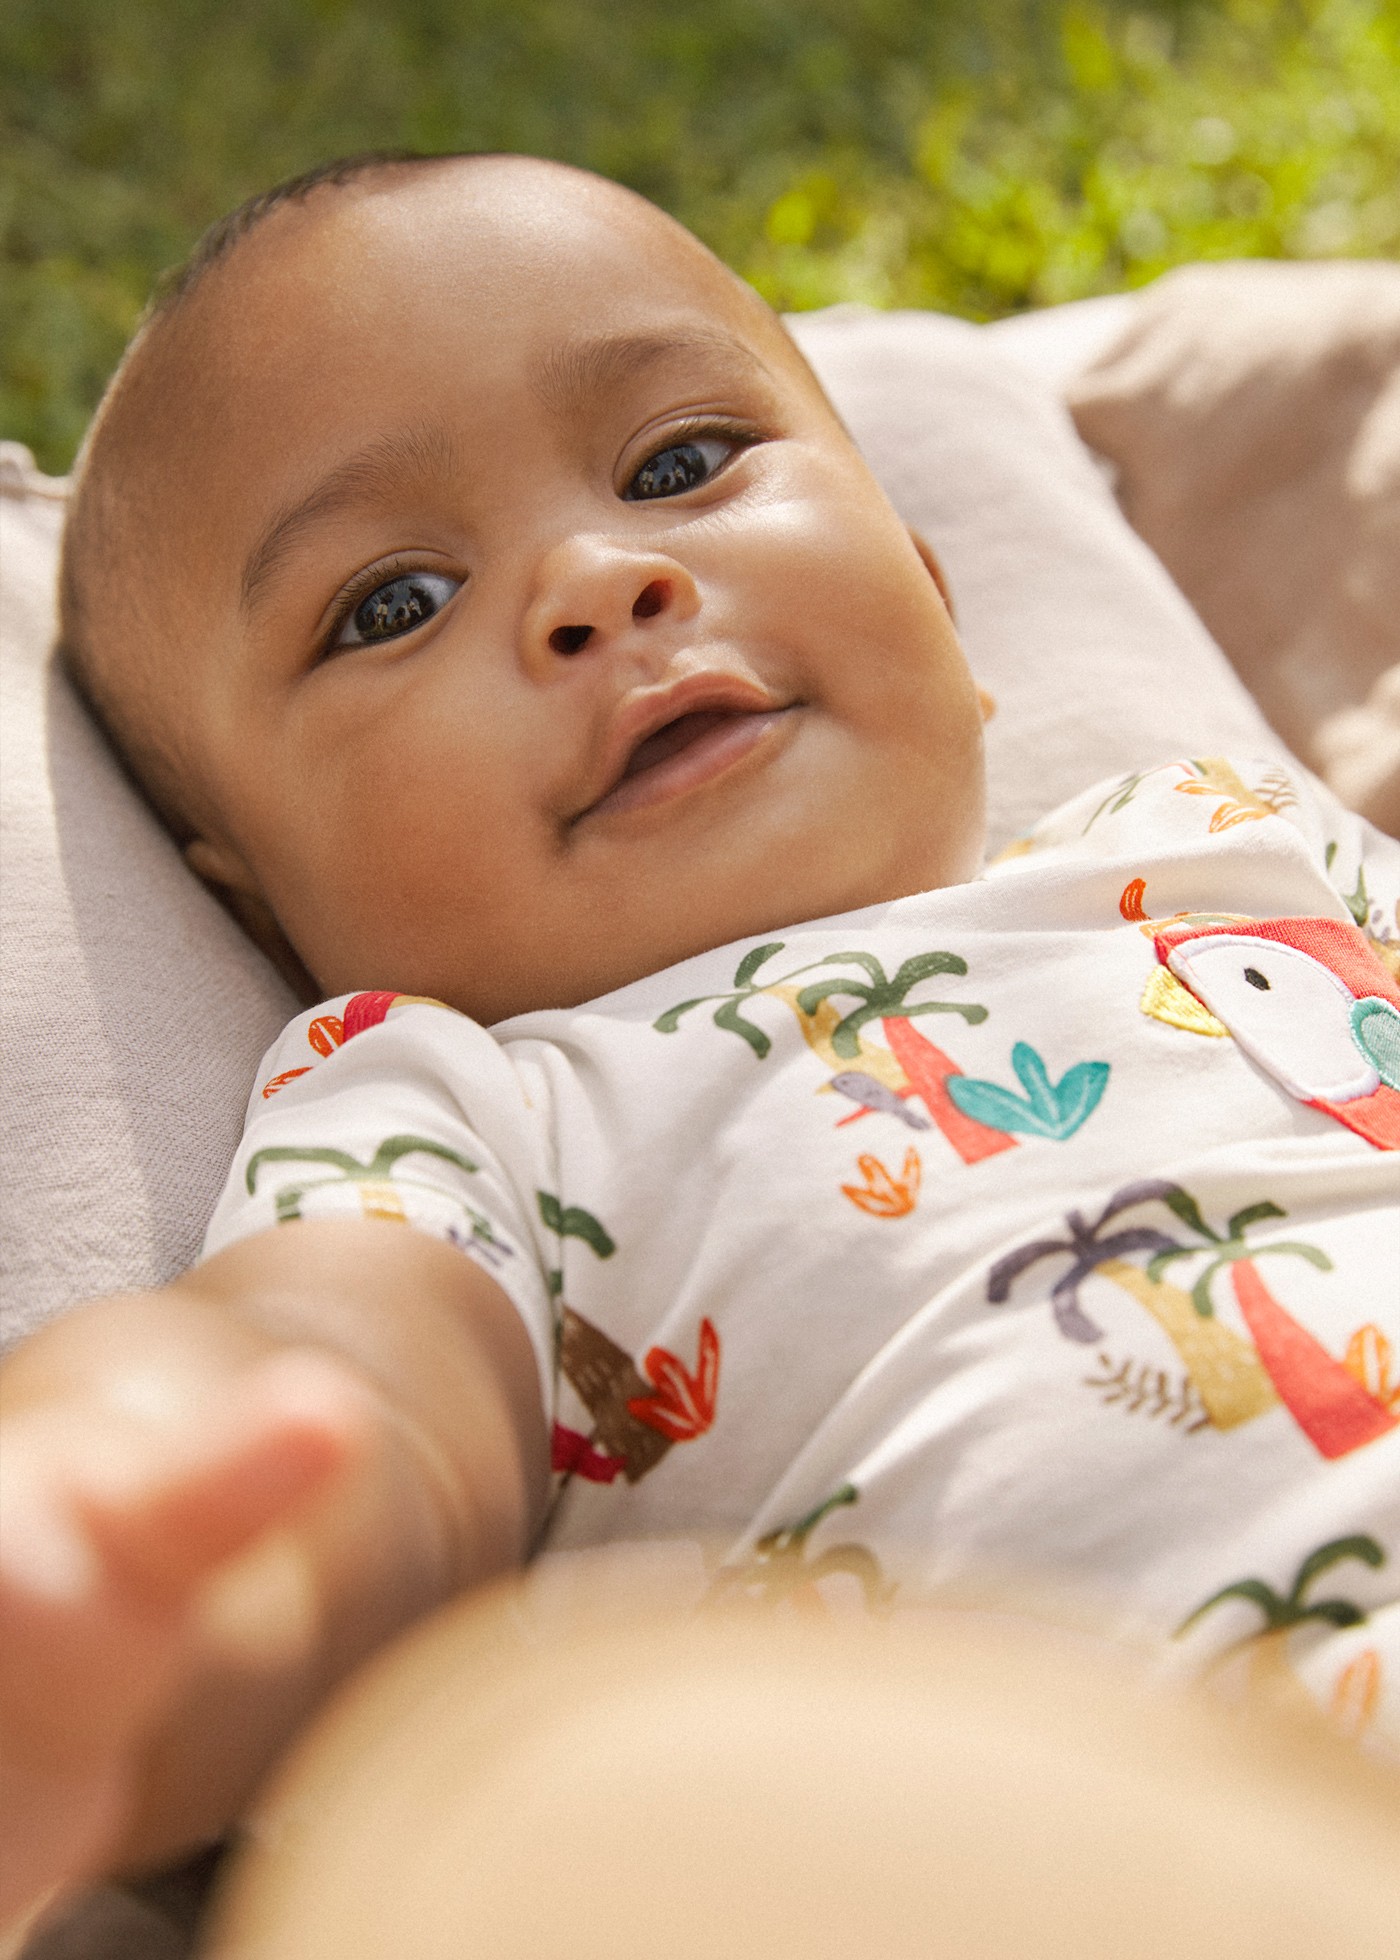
x=388 y=463
x=569 y=376
x=566 y=379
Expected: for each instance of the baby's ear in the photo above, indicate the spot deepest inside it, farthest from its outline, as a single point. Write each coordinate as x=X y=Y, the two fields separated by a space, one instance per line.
x=935 y=570
x=228 y=878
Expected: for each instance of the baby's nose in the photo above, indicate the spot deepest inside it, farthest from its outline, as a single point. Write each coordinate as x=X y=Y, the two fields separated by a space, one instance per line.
x=655 y=596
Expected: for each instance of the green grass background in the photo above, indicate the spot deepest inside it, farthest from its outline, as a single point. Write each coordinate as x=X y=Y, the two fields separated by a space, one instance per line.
x=974 y=155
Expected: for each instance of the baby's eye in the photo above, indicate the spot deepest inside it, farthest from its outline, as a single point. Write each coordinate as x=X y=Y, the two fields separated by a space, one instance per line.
x=396 y=607
x=680 y=466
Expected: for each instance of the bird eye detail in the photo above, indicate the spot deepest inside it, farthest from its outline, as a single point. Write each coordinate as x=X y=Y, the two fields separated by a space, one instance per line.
x=1256 y=979
x=396 y=608
x=678 y=467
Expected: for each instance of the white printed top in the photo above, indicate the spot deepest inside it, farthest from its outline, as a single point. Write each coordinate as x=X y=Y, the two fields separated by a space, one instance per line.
x=1040 y=1232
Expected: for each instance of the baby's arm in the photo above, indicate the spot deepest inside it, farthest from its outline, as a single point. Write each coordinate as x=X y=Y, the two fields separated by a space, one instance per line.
x=353 y=1405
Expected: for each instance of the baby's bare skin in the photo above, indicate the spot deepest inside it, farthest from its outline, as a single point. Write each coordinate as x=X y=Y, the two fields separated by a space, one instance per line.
x=673 y=672
x=360 y=1401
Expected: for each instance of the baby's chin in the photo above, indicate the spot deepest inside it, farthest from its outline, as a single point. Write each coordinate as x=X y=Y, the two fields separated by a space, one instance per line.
x=646 y=916
x=739 y=933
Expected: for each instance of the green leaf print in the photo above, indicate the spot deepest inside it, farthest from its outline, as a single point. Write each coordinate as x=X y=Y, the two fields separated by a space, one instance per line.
x=573 y=1222
x=379 y=1165
x=1240 y=1221
x=1183 y=1206
x=1293 y=1607
x=727 y=1016
x=1118 y=797
x=880 y=998
x=876 y=998
x=1358 y=901
x=753 y=960
x=779 y=1569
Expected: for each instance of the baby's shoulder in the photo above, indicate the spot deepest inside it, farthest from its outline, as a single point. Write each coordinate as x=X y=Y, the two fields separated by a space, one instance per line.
x=409 y=1029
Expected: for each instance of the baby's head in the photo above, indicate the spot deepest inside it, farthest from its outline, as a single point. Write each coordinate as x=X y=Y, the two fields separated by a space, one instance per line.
x=486 y=592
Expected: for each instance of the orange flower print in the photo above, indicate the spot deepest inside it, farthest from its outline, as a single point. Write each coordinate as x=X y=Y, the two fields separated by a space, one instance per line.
x=326 y=1033
x=1131 y=902
x=1227 y=814
x=277 y=1082
x=883 y=1195
x=1370 y=1358
x=1215 y=777
x=683 y=1406
x=1356 y=1694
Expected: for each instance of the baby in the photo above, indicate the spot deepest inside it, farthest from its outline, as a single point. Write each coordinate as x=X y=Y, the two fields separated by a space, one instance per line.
x=691 y=1139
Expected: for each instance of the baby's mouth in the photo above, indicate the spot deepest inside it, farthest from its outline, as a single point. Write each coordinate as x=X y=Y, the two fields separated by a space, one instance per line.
x=686 y=751
x=675 y=736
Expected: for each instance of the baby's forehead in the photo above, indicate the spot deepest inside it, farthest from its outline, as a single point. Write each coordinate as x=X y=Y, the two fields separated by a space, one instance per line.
x=533 y=250
x=504 y=263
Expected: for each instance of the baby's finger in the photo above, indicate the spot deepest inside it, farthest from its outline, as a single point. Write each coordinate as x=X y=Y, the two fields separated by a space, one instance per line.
x=165 y=1524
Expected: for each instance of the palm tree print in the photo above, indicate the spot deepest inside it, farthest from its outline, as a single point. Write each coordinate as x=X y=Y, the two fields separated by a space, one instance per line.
x=636 y=1416
x=1335 y=1410
x=1236 y=1381
x=780 y=1572
x=1284 y=1610
x=1226 y=1371
x=875 y=997
x=910 y=1065
x=879 y=998
x=1226 y=1247
x=378 y=1181
x=1266 y=1646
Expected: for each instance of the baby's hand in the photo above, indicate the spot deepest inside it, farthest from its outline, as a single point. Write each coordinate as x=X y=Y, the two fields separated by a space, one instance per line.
x=113 y=1521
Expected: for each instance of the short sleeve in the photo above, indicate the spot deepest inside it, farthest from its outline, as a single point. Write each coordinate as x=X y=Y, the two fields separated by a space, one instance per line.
x=385 y=1106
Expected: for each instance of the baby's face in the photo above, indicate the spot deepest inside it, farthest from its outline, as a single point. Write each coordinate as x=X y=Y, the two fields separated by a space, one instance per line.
x=536 y=624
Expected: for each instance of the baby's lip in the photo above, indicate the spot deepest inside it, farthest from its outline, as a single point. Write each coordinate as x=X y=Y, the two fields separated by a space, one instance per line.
x=705 y=701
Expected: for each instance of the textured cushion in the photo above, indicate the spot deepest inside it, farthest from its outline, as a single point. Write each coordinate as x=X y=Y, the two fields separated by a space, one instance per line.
x=134 y=1011
x=1252 y=414
x=1097 y=662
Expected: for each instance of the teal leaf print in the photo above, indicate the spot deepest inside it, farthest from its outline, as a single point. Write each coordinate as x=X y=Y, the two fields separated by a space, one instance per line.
x=1376 y=1026
x=1045 y=1109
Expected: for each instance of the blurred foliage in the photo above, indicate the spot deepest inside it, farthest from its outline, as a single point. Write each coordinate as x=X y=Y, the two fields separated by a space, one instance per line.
x=975 y=155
